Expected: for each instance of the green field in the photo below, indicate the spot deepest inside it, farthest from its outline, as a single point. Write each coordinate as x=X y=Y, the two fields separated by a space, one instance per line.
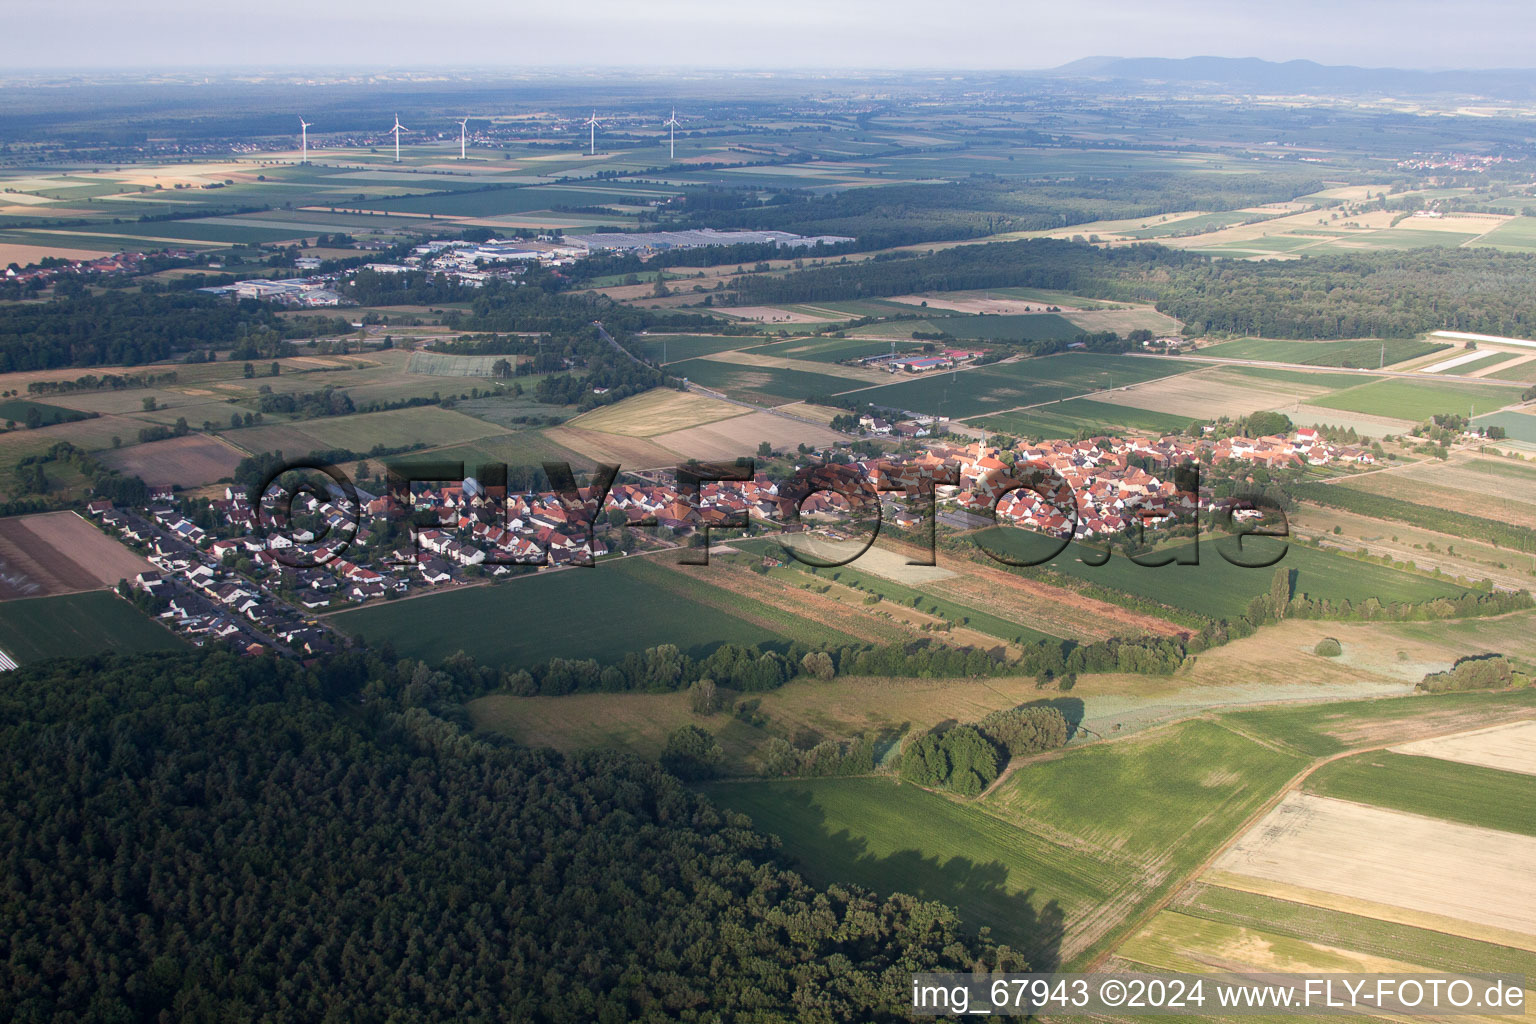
x=1435 y=788
x=1065 y=419
x=1217 y=589
x=1435 y=950
x=427 y=425
x=1404 y=399
x=1316 y=378
x=964 y=393
x=16 y=410
x=1011 y=327
x=899 y=838
x=1197 y=224
x=96 y=622
x=1360 y=353
x=1107 y=825
x=829 y=350
x=1518 y=426
x=674 y=348
x=604 y=612
x=766 y=385
x=1321 y=730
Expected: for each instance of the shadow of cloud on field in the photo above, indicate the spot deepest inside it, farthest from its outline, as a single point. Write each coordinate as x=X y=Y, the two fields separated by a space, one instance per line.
x=977 y=889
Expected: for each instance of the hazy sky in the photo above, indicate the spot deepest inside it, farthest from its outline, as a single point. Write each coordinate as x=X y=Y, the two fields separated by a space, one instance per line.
x=824 y=34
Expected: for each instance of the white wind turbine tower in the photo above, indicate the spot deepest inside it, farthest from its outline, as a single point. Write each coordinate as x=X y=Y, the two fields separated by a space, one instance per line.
x=396 y=130
x=463 y=127
x=672 y=123
x=592 y=124
x=304 y=127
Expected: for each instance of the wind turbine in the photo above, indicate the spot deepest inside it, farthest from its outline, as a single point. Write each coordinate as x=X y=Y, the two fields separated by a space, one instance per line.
x=672 y=123
x=592 y=124
x=395 y=131
x=463 y=127
x=304 y=127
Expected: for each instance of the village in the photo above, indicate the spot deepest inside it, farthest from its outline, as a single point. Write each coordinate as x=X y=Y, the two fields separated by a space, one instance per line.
x=268 y=590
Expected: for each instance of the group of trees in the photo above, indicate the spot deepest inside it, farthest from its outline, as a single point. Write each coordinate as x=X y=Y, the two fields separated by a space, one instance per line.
x=203 y=837
x=967 y=758
x=1479 y=672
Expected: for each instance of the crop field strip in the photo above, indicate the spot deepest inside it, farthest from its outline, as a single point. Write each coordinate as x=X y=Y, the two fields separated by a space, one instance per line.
x=74 y=625
x=1426 y=785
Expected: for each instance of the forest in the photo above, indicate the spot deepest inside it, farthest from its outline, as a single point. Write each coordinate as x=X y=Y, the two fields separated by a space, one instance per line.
x=1357 y=295
x=130 y=328
x=207 y=838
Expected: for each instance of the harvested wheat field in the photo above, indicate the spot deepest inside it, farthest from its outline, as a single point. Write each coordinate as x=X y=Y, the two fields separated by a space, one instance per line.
x=60 y=553
x=657 y=411
x=1402 y=860
x=977 y=302
x=1510 y=747
x=740 y=436
x=627 y=452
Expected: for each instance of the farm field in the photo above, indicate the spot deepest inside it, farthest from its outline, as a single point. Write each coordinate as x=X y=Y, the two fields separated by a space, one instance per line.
x=738 y=436
x=1431 y=950
x=190 y=461
x=658 y=411
x=1505 y=748
x=828 y=350
x=16 y=410
x=1011 y=327
x=1363 y=353
x=60 y=553
x=74 y=625
x=1432 y=787
x=764 y=385
x=1213 y=392
x=674 y=348
x=1215 y=588
x=899 y=838
x=1417 y=400
x=396 y=428
x=1447 y=487
x=529 y=620
x=1065 y=419
x=966 y=393
x=1413 y=863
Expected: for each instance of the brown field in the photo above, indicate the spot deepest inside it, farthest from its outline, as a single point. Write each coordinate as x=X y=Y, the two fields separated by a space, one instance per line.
x=629 y=452
x=22 y=255
x=1510 y=747
x=1402 y=860
x=805 y=410
x=1214 y=392
x=1123 y=321
x=1508 y=364
x=1441 y=486
x=190 y=461
x=60 y=553
x=740 y=435
x=658 y=411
